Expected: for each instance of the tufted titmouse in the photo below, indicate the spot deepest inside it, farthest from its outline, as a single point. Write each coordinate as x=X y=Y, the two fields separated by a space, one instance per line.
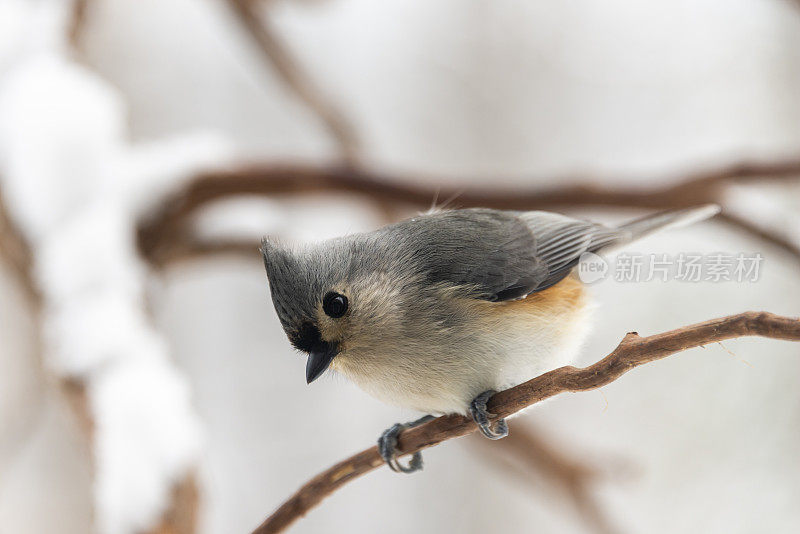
x=438 y=312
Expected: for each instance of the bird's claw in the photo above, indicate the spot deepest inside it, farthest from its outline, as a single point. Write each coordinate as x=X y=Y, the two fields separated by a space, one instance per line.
x=480 y=415
x=387 y=446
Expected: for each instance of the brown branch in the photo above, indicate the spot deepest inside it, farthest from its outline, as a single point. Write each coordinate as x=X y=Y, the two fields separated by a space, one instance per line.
x=15 y=250
x=77 y=23
x=182 y=514
x=759 y=232
x=295 y=79
x=192 y=249
x=631 y=352
x=570 y=472
x=169 y=225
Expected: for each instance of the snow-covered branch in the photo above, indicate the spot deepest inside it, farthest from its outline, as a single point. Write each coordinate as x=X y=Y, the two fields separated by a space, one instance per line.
x=73 y=190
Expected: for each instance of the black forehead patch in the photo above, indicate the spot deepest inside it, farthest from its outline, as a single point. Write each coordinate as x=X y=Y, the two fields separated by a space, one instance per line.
x=307 y=338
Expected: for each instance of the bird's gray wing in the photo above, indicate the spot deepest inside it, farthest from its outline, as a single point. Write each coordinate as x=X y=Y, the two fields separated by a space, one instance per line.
x=561 y=240
x=499 y=255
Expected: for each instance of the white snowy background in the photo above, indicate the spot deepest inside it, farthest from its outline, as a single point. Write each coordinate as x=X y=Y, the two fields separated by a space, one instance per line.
x=468 y=91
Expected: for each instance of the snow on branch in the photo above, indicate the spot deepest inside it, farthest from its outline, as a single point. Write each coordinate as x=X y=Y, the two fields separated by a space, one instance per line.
x=632 y=352
x=73 y=188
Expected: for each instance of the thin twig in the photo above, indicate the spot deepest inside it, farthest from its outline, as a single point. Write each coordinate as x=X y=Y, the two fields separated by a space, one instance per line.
x=759 y=232
x=183 y=511
x=631 y=352
x=296 y=80
x=169 y=224
x=569 y=472
x=14 y=248
x=77 y=23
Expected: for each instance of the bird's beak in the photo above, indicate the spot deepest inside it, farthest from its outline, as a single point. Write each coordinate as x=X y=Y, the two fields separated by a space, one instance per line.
x=318 y=361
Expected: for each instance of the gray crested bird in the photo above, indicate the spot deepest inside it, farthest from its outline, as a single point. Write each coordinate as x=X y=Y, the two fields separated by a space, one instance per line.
x=438 y=312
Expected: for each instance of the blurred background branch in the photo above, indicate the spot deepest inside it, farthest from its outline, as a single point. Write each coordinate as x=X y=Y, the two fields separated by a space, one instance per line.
x=256 y=24
x=529 y=453
x=76 y=23
x=165 y=235
x=16 y=252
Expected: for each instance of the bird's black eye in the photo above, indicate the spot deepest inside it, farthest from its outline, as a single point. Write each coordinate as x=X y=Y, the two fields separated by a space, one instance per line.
x=334 y=305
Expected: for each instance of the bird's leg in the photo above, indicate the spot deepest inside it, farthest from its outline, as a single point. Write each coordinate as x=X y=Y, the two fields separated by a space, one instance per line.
x=480 y=415
x=387 y=446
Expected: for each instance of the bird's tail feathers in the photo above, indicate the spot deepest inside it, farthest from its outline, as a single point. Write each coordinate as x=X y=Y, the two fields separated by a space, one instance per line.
x=664 y=220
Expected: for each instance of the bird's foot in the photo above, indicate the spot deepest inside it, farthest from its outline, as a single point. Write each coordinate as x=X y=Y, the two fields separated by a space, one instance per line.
x=480 y=415
x=387 y=446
